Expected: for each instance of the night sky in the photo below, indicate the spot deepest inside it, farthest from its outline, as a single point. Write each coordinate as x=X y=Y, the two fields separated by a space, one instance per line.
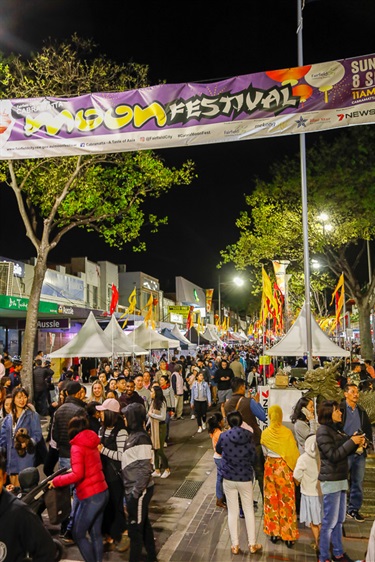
x=188 y=42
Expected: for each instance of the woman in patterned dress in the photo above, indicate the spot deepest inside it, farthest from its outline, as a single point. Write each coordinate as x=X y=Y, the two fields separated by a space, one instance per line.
x=281 y=453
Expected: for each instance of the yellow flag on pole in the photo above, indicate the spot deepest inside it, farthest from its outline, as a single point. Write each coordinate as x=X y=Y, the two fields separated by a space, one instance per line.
x=267 y=290
x=338 y=286
x=131 y=308
x=148 y=317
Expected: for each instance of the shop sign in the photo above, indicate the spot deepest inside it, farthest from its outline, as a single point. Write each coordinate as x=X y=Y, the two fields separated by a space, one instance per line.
x=183 y=310
x=65 y=309
x=21 y=304
x=48 y=324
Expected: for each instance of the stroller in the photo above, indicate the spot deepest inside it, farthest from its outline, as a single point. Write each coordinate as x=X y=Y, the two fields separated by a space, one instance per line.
x=39 y=497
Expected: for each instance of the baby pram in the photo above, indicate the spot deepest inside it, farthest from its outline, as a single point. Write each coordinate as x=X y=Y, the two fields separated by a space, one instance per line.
x=39 y=497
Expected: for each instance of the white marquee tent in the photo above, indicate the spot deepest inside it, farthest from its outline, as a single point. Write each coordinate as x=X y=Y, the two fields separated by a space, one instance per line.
x=294 y=343
x=119 y=339
x=90 y=341
x=150 y=339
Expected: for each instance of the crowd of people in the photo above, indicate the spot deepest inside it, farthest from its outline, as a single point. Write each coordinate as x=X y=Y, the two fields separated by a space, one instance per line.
x=112 y=433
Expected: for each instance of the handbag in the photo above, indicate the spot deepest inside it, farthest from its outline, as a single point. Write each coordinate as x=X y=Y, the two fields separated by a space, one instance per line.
x=58 y=504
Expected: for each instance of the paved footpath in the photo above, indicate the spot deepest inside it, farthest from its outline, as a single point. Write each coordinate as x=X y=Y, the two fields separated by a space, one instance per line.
x=197 y=530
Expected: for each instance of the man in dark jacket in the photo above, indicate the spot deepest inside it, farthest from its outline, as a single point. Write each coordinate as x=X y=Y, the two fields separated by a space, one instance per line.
x=22 y=533
x=41 y=378
x=72 y=406
x=355 y=419
x=15 y=372
x=223 y=377
x=130 y=396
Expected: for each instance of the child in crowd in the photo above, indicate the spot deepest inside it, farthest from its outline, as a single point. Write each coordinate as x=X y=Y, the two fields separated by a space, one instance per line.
x=306 y=472
x=215 y=427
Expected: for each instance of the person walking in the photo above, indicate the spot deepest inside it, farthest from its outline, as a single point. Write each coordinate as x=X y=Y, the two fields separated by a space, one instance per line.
x=281 y=452
x=178 y=389
x=19 y=435
x=223 y=377
x=335 y=446
x=157 y=414
x=238 y=455
x=237 y=367
x=355 y=419
x=92 y=490
x=170 y=401
x=113 y=437
x=200 y=400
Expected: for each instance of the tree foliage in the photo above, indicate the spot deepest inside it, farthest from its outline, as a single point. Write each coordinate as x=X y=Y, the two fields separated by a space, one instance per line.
x=340 y=183
x=102 y=193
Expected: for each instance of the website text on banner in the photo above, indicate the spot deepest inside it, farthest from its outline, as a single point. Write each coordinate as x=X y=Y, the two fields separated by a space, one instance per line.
x=273 y=103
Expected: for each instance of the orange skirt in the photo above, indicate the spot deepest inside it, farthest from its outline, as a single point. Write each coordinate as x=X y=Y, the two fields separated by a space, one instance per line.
x=280 y=516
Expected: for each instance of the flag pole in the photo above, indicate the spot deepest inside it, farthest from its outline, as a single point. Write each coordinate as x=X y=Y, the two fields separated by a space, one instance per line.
x=306 y=258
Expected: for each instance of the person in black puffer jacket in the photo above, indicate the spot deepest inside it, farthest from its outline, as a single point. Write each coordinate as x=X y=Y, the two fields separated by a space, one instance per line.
x=334 y=448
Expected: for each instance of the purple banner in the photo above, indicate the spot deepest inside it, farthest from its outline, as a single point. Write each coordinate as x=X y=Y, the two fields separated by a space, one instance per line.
x=273 y=103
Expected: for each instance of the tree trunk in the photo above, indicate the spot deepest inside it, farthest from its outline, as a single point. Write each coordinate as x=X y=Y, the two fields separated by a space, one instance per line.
x=367 y=351
x=28 y=345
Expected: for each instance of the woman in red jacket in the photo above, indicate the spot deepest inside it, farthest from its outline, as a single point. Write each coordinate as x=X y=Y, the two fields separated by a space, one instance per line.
x=91 y=488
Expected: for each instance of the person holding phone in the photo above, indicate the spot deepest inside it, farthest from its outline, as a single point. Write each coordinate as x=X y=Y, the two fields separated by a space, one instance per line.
x=334 y=446
x=303 y=418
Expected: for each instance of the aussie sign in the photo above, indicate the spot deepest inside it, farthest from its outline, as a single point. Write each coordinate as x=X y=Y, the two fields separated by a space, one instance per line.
x=297 y=100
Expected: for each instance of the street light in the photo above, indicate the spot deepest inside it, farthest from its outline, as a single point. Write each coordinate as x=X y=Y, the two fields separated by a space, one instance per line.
x=323 y=218
x=236 y=281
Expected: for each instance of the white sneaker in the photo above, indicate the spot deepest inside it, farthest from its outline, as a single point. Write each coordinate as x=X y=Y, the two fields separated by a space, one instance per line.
x=166 y=473
x=192 y=417
x=199 y=430
x=203 y=425
x=156 y=474
x=165 y=444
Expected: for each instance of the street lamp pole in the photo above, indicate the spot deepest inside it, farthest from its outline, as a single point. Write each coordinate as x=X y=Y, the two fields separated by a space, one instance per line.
x=306 y=260
x=237 y=281
x=219 y=299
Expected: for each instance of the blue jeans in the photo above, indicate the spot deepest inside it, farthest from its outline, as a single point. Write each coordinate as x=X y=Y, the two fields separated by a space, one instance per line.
x=219 y=480
x=334 y=512
x=64 y=462
x=356 y=464
x=89 y=518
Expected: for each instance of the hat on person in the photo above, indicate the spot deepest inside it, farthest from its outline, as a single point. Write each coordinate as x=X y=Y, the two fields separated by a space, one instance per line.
x=73 y=387
x=110 y=404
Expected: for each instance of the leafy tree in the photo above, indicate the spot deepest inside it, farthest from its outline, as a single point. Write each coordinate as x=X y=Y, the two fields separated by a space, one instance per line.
x=102 y=193
x=341 y=183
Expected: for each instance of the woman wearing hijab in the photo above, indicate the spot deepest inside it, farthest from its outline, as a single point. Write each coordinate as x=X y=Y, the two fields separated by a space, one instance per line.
x=281 y=453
